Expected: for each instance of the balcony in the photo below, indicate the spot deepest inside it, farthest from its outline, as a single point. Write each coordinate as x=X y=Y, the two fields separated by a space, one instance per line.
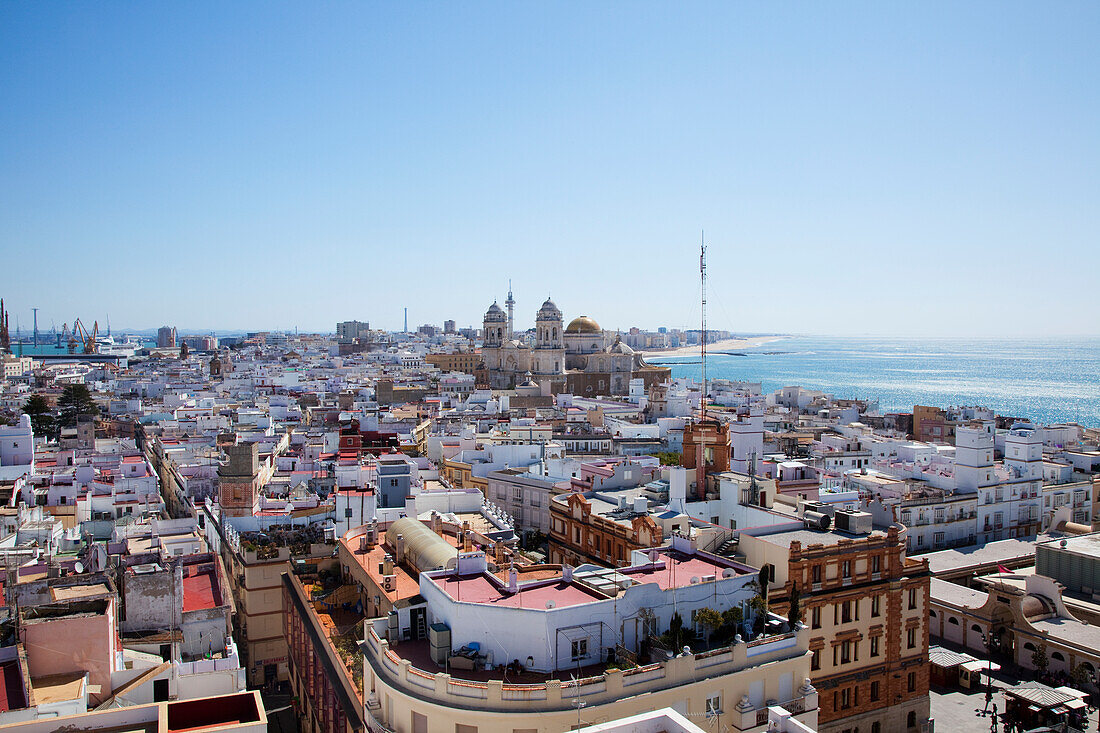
x=398 y=672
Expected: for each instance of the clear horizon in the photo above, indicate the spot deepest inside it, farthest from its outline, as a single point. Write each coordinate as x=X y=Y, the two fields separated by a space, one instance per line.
x=922 y=171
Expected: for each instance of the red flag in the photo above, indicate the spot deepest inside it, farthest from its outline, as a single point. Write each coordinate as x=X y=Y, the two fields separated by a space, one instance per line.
x=1003 y=569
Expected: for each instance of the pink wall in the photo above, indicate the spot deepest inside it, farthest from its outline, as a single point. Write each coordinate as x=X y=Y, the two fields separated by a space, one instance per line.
x=72 y=644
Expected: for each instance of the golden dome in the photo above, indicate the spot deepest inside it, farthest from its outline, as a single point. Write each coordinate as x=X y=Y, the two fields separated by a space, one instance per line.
x=583 y=324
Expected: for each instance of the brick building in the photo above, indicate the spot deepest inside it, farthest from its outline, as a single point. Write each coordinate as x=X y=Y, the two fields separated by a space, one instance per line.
x=327 y=701
x=586 y=528
x=714 y=439
x=867 y=607
x=462 y=361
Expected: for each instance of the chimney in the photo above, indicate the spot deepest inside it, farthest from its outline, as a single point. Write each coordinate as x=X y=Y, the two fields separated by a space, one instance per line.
x=437 y=523
x=513 y=579
x=400 y=547
x=387 y=565
x=567 y=573
x=468 y=542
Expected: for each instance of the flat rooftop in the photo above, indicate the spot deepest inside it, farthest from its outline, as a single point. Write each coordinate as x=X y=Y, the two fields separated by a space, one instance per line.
x=200 y=587
x=58 y=687
x=815 y=537
x=1085 y=544
x=1001 y=551
x=680 y=569
x=479 y=589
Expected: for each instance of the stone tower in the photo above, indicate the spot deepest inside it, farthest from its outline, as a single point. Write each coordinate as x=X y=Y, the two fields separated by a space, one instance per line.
x=238 y=480
x=549 y=354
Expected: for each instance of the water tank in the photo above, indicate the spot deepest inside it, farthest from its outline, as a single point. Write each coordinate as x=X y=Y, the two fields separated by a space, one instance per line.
x=816 y=520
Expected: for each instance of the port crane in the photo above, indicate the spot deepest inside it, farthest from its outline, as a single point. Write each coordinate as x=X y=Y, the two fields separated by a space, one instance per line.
x=88 y=339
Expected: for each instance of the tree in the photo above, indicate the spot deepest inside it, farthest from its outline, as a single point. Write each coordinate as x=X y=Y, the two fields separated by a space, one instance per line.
x=184 y=351
x=668 y=458
x=1081 y=675
x=1039 y=659
x=794 y=613
x=42 y=420
x=709 y=619
x=733 y=616
x=75 y=400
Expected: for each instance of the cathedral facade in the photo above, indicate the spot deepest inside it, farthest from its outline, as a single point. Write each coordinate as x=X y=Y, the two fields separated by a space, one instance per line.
x=580 y=358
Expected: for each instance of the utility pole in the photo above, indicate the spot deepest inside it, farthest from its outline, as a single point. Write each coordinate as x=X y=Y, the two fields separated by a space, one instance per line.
x=35 y=326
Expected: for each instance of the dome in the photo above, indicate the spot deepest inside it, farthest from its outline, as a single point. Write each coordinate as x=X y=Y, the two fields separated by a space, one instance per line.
x=583 y=324
x=619 y=348
x=548 y=312
x=495 y=314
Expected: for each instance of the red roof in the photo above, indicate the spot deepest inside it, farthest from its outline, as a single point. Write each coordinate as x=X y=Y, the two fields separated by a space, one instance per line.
x=200 y=588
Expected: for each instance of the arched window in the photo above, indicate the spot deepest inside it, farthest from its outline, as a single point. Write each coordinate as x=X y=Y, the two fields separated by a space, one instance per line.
x=932 y=614
x=1058 y=656
x=500 y=333
x=1029 y=646
x=952 y=620
x=876 y=727
x=975 y=627
x=555 y=332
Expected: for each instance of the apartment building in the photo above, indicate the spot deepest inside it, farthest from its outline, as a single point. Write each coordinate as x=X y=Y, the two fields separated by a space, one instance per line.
x=556 y=629
x=328 y=700
x=525 y=496
x=601 y=528
x=866 y=605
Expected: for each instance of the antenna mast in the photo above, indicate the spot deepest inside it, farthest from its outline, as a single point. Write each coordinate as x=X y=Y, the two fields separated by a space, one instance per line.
x=703 y=283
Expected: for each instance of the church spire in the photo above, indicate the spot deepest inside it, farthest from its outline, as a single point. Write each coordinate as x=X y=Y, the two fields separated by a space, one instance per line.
x=510 y=304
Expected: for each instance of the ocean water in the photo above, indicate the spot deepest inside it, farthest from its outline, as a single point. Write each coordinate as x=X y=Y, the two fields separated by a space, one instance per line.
x=1045 y=380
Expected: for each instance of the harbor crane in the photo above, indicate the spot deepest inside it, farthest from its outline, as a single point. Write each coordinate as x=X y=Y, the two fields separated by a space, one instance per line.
x=88 y=339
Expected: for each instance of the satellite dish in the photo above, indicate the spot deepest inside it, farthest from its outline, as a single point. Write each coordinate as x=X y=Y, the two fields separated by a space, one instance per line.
x=549 y=605
x=78 y=567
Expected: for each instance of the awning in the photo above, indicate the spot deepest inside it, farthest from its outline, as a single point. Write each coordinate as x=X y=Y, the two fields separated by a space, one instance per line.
x=1075 y=704
x=981 y=665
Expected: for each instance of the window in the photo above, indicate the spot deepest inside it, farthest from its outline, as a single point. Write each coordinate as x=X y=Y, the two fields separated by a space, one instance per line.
x=846 y=652
x=876 y=564
x=815 y=618
x=874 y=646
x=911 y=719
x=912 y=682
x=579 y=649
x=815 y=660
x=874 y=691
x=714 y=706
x=347 y=513
x=846 y=612
x=816 y=574
x=875 y=610
x=876 y=727
x=912 y=599
x=845 y=698
x=911 y=638
x=846 y=569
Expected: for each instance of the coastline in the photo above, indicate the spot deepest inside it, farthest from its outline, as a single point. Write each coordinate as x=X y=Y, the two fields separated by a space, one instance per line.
x=751 y=342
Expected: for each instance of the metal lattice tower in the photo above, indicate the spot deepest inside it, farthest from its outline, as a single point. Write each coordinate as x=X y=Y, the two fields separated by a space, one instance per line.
x=703 y=290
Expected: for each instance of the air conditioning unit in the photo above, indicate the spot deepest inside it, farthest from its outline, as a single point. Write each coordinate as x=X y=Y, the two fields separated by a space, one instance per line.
x=389 y=583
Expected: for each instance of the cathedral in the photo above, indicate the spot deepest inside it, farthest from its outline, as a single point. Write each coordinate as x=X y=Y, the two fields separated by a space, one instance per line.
x=580 y=358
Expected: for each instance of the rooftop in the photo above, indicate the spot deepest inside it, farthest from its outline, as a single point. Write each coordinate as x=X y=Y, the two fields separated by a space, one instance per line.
x=200 y=587
x=1002 y=551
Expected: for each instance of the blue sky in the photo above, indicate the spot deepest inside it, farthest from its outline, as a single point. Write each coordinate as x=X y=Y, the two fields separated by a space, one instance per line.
x=879 y=168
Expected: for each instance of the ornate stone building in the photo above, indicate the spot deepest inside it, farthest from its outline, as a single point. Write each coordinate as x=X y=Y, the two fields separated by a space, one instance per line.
x=582 y=358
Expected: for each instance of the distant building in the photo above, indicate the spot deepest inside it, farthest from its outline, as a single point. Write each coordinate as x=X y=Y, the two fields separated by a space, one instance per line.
x=166 y=337
x=352 y=329
x=448 y=326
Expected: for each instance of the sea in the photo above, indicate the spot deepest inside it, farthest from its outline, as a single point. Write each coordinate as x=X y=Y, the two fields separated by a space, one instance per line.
x=1050 y=380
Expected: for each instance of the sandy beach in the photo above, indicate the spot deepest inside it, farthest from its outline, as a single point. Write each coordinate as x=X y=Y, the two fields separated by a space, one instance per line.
x=717 y=346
